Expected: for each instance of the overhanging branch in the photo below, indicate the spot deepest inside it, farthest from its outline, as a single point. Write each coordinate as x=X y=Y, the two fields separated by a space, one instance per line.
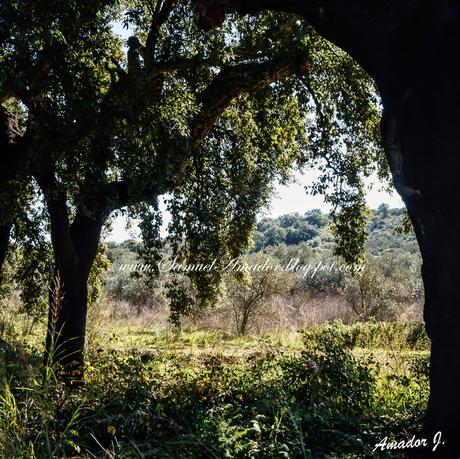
x=236 y=80
x=231 y=82
x=209 y=14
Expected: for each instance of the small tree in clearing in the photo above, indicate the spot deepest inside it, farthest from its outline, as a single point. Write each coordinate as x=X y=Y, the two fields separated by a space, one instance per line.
x=249 y=297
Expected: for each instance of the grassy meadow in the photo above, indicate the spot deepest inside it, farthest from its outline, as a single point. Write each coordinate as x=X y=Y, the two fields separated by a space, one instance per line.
x=333 y=390
x=322 y=366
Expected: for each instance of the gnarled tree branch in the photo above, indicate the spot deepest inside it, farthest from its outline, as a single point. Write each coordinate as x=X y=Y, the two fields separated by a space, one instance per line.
x=228 y=84
x=163 y=8
x=236 y=80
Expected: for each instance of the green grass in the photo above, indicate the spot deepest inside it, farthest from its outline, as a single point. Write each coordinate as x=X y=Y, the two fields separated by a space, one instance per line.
x=331 y=392
x=383 y=335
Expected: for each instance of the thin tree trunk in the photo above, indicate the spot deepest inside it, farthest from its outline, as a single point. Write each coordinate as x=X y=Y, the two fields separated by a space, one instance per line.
x=5 y=230
x=244 y=320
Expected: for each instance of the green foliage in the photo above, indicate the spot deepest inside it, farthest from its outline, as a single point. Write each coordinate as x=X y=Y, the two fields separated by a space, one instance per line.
x=329 y=400
x=336 y=389
x=99 y=269
x=347 y=116
x=74 y=40
x=389 y=336
x=39 y=420
x=118 y=128
x=387 y=282
x=349 y=229
x=291 y=229
x=313 y=227
x=29 y=257
x=385 y=233
x=123 y=282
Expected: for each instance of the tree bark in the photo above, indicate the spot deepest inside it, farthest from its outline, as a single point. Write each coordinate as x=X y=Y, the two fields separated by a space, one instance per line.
x=5 y=230
x=422 y=141
x=421 y=137
x=9 y=136
x=75 y=248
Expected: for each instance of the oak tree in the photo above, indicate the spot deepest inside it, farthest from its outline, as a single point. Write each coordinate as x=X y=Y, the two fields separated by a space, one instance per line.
x=92 y=126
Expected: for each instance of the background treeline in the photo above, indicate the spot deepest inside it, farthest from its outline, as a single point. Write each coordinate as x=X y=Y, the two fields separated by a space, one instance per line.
x=386 y=231
x=387 y=288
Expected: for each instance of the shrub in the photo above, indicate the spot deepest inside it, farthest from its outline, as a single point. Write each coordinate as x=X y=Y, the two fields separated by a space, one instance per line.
x=325 y=401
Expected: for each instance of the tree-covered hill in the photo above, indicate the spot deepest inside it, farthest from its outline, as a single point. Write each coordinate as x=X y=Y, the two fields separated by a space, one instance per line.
x=385 y=231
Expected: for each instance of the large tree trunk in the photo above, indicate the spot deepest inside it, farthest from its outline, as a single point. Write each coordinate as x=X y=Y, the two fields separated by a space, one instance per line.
x=410 y=48
x=75 y=249
x=421 y=134
x=10 y=154
x=422 y=141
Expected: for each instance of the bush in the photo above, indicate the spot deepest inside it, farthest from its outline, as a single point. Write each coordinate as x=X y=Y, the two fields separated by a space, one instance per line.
x=326 y=401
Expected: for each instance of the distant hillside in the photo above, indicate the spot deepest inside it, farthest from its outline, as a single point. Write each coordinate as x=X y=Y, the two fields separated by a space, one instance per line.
x=389 y=286
x=313 y=228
